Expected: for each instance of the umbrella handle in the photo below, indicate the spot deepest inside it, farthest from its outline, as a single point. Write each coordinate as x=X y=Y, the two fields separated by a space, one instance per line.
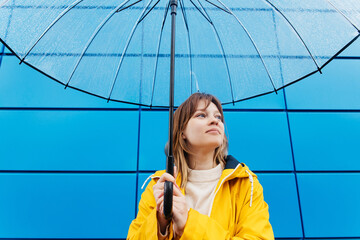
x=168 y=186
x=168 y=199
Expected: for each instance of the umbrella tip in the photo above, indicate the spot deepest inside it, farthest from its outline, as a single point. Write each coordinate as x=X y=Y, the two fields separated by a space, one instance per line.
x=319 y=69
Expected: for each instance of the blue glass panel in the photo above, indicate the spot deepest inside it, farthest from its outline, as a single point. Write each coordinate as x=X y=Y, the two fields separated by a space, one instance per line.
x=269 y=101
x=281 y=196
x=330 y=204
x=259 y=139
x=154 y=132
x=22 y=86
x=277 y=238
x=353 y=50
x=326 y=141
x=352 y=238
x=337 y=88
x=66 y=205
x=68 y=140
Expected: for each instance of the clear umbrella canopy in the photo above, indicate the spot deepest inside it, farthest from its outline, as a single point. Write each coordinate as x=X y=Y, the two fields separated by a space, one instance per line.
x=120 y=50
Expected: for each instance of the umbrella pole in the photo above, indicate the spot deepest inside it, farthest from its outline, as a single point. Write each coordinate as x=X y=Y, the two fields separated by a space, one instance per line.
x=168 y=187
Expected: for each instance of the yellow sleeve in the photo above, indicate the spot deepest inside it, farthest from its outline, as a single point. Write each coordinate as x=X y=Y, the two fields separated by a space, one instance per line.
x=253 y=222
x=145 y=225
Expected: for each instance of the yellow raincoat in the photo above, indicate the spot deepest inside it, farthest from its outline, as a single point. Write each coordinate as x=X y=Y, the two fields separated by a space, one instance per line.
x=238 y=210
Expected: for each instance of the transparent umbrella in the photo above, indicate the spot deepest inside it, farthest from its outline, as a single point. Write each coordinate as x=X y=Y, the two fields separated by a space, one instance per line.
x=120 y=50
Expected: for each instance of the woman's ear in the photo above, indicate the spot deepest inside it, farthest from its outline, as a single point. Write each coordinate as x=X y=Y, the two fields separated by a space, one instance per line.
x=183 y=135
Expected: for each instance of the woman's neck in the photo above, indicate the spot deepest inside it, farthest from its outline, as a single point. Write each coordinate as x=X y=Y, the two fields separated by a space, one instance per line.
x=202 y=160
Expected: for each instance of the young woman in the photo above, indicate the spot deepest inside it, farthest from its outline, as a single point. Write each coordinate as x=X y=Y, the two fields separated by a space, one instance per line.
x=215 y=196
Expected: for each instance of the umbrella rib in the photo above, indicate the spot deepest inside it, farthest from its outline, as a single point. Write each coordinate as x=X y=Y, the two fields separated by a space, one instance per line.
x=189 y=42
x=253 y=43
x=74 y=4
x=3 y=3
x=222 y=49
x=200 y=11
x=95 y=33
x=122 y=9
x=218 y=6
x=157 y=55
x=297 y=33
x=143 y=17
x=343 y=15
x=127 y=45
x=278 y=47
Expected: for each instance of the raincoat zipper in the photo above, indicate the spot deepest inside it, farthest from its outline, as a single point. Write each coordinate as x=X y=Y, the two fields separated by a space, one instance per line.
x=220 y=187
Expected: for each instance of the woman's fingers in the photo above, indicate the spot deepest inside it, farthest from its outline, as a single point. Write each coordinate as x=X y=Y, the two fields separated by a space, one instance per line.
x=180 y=214
x=158 y=190
x=166 y=177
x=160 y=205
x=159 y=201
x=179 y=201
x=158 y=187
x=177 y=191
x=158 y=194
x=179 y=204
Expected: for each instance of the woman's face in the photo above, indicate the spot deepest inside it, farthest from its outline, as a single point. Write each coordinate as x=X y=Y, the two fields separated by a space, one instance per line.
x=205 y=130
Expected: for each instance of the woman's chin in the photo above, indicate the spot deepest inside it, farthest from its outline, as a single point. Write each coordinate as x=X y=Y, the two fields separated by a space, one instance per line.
x=210 y=146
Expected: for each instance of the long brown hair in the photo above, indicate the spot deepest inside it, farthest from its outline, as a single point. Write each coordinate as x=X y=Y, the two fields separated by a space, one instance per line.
x=181 y=118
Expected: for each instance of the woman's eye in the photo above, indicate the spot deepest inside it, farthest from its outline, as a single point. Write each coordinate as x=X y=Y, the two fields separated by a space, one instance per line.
x=218 y=117
x=201 y=115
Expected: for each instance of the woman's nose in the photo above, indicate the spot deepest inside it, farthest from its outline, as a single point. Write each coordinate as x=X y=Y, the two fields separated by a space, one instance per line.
x=214 y=120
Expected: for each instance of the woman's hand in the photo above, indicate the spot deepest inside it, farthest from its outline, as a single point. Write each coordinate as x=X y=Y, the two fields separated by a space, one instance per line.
x=180 y=209
x=158 y=190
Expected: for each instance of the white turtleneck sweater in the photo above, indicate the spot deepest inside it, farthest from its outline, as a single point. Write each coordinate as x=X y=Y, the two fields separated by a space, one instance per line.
x=200 y=188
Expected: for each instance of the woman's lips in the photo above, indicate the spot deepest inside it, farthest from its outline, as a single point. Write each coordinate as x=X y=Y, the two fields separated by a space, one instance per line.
x=213 y=130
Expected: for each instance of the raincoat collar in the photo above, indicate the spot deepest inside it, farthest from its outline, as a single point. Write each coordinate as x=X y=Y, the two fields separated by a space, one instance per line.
x=233 y=169
x=231 y=162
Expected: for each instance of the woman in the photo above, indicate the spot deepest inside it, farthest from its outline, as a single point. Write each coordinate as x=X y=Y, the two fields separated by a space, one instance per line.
x=214 y=197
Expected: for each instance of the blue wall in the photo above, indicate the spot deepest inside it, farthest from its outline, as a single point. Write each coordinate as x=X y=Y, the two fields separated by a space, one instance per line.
x=71 y=165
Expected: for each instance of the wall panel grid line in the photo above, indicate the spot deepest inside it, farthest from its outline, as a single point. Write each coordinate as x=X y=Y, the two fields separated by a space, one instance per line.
x=166 y=110
x=1 y=53
x=153 y=171
x=137 y=165
x=282 y=238
x=294 y=166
